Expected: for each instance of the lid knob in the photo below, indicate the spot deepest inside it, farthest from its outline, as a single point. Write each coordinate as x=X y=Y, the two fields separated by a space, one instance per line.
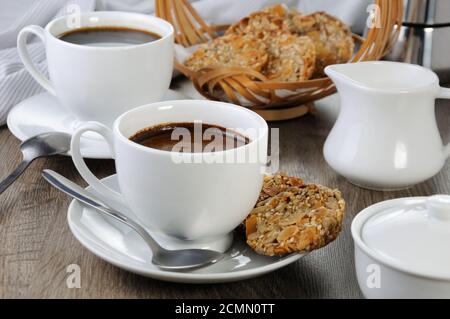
x=439 y=207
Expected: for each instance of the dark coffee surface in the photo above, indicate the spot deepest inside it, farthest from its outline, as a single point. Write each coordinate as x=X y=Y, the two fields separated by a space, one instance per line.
x=109 y=36
x=189 y=138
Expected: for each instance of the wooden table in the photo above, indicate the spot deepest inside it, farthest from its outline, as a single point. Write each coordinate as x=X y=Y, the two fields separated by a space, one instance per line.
x=36 y=245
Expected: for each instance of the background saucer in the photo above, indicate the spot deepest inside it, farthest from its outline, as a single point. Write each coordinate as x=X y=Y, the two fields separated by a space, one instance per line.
x=43 y=113
x=122 y=247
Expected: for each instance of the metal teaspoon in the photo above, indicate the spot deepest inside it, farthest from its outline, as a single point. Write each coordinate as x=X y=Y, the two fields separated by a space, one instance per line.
x=42 y=145
x=165 y=259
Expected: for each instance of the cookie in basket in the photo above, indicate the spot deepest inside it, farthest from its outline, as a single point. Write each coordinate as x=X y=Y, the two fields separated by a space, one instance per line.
x=291 y=58
x=230 y=51
x=332 y=38
x=293 y=217
x=262 y=24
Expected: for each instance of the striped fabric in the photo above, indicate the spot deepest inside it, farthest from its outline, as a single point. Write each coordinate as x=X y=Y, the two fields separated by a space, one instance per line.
x=15 y=82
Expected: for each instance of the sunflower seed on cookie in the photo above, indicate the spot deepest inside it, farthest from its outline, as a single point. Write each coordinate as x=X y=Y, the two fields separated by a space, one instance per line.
x=296 y=219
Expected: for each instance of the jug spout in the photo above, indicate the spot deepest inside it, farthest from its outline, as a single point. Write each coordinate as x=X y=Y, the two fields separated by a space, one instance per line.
x=337 y=71
x=350 y=79
x=340 y=74
x=361 y=75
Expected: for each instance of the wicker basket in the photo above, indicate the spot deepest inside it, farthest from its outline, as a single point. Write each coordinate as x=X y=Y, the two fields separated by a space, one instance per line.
x=273 y=100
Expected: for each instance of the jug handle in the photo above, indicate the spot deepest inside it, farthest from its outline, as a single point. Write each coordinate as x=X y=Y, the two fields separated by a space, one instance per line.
x=444 y=93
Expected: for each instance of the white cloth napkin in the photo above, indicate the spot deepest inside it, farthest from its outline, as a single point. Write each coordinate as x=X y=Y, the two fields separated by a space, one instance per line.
x=15 y=82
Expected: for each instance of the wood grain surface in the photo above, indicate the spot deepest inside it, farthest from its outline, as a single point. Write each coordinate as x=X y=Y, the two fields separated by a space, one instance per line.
x=36 y=244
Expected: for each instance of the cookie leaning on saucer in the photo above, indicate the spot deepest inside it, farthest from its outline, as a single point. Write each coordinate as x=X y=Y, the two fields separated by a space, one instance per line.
x=293 y=217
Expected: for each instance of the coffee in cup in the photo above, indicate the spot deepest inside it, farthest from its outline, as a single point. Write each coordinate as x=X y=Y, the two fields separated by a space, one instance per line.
x=109 y=36
x=189 y=137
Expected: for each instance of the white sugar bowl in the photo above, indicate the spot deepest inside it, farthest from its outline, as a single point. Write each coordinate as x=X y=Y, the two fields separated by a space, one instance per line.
x=402 y=248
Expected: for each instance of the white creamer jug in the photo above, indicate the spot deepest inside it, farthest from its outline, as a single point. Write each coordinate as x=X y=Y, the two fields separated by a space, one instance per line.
x=386 y=136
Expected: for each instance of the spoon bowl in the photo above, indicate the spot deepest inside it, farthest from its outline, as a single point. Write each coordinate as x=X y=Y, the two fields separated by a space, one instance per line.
x=46 y=144
x=188 y=258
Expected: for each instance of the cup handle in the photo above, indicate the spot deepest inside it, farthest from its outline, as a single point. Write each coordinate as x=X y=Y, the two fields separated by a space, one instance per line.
x=26 y=59
x=81 y=166
x=444 y=93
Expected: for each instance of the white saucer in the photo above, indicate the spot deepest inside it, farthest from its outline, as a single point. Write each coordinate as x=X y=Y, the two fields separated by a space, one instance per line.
x=43 y=113
x=122 y=247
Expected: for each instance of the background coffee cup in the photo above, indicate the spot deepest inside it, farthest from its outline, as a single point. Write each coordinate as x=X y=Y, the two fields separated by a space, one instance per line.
x=198 y=201
x=100 y=83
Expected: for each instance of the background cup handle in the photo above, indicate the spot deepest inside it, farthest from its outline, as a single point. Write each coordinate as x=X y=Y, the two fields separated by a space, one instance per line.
x=444 y=93
x=26 y=59
x=81 y=166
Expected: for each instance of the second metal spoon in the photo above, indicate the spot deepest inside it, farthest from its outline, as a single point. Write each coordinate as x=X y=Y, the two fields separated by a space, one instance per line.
x=163 y=258
x=47 y=144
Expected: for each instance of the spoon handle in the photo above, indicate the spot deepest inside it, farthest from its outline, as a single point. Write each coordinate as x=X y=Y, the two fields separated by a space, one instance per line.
x=14 y=175
x=84 y=196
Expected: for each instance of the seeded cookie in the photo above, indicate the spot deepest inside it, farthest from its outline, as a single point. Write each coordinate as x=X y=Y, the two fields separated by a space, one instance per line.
x=282 y=44
x=262 y=24
x=332 y=38
x=230 y=51
x=291 y=58
x=298 y=218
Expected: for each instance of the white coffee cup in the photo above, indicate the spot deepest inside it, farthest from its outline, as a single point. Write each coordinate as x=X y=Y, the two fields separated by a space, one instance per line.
x=198 y=202
x=99 y=83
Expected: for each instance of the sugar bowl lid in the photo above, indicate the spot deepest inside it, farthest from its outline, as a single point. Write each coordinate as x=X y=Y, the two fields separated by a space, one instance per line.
x=410 y=234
